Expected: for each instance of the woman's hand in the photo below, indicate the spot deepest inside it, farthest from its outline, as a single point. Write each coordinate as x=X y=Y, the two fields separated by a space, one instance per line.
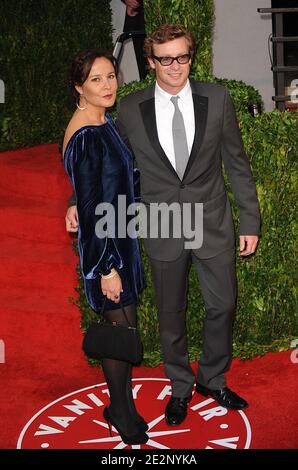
x=112 y=288
x=71 y=219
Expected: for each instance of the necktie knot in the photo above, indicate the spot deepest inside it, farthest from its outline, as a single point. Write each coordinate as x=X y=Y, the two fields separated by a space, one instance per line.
x=174 y=100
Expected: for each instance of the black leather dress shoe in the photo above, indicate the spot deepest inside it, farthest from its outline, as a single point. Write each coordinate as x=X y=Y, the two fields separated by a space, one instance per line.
x=224 y=396
x=176 y=410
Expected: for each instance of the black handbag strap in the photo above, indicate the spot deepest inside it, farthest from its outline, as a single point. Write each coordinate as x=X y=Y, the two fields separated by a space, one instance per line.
x=122 y=308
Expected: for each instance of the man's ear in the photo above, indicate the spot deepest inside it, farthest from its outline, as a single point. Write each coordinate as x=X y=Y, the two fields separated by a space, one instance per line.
x=151 y=63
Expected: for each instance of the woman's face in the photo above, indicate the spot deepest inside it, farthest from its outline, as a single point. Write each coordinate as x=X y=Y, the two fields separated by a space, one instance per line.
x=99 y=89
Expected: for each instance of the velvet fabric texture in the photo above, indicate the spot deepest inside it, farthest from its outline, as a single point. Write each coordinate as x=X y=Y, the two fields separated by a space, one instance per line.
x=101 y=168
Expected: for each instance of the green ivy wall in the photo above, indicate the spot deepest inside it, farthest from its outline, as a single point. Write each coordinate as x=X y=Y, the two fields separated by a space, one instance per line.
x=38 y=41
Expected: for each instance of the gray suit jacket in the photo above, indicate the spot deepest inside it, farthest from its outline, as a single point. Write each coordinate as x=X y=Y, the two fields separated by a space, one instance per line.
x=217 y=138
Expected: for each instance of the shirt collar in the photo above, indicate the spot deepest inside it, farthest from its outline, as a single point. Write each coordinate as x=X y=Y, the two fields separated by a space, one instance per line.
x=164 y=98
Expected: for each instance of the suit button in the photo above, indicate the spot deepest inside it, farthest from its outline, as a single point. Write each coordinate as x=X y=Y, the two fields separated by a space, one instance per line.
x=182 y=186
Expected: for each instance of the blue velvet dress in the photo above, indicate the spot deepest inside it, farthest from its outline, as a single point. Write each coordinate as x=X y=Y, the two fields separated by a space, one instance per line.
x=101 y=168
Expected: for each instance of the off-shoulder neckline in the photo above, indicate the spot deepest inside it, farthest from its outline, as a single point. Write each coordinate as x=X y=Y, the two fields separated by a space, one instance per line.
x=108 y=118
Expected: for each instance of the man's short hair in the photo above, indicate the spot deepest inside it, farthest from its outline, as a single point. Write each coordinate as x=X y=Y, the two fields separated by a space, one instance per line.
x=165 y=33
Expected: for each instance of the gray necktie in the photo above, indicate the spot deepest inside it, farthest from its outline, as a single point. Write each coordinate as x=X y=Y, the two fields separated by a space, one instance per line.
x=179 y=139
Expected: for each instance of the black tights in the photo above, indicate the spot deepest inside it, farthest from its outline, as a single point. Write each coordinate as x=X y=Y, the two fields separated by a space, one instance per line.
x=118 y=378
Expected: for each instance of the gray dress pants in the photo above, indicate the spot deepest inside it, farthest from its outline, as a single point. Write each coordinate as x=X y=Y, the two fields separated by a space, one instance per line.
x=217 y=277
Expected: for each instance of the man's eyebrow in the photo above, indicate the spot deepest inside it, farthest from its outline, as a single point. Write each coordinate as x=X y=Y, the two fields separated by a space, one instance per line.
x=181 y=53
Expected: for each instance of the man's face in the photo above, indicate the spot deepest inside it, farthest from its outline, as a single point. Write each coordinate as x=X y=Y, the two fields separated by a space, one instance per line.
x=171 y=78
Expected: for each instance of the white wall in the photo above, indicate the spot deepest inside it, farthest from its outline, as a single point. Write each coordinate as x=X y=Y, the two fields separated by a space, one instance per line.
x=128 y=65
x=240 y=45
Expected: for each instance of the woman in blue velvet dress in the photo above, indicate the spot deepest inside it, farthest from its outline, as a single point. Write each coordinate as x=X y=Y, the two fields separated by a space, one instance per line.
x=101 y=169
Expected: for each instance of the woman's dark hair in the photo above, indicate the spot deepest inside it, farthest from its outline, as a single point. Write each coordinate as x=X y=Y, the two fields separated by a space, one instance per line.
x=82 y=64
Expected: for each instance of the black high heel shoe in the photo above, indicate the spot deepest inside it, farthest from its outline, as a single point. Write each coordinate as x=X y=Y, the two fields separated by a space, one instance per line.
x=141 y=423
x=139 y=438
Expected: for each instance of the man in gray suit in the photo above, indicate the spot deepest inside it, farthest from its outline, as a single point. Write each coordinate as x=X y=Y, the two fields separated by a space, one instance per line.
x=180 y=131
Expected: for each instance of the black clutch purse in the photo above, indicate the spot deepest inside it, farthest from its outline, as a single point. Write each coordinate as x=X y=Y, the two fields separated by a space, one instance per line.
x=112 y=341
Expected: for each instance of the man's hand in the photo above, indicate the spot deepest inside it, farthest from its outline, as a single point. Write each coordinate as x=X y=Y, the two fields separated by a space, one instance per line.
x=71 y=219
x=132 y=6
x=248 y=244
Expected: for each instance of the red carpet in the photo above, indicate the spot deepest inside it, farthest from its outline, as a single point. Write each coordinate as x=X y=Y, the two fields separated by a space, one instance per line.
x=43 y=358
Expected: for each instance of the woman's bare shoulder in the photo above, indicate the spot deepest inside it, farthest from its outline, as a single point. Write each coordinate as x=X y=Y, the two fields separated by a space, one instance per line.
x=73 y=126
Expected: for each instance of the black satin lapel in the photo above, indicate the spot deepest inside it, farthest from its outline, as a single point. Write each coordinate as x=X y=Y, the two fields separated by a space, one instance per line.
x=200 y=104
x=148 y=114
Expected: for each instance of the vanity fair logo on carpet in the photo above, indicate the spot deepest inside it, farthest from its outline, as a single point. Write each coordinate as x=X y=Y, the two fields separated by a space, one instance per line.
x=75 y=421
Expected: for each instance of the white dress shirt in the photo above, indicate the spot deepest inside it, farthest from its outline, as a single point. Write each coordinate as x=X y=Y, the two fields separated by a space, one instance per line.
x=164 y=111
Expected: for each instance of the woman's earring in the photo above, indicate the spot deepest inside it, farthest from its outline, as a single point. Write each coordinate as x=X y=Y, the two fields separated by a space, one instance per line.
x=78 y=104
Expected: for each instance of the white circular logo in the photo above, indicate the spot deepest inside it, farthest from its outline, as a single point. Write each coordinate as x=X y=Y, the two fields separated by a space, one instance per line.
x=76 y=421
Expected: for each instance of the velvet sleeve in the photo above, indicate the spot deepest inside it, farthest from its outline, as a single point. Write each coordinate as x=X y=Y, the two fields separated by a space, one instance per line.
x=136 y=184
x=84 y=164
